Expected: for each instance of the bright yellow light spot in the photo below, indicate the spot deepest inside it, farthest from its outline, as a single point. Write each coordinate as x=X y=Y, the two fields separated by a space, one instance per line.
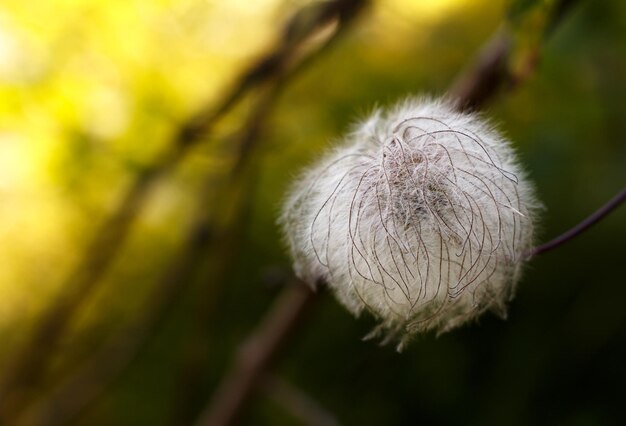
x=19 y=60
x=424 y=10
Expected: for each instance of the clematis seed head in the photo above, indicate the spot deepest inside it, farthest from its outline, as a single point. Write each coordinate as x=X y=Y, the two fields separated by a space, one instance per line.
x=421 y=215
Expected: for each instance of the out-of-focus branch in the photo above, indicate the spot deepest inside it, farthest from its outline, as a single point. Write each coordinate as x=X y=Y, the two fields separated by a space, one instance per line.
x=493 y=71
x=486 y=76
x=92 y=378
x=88 y=382
x=196 y=351
x=472 y=90
x=225 y=218
x=256 y=354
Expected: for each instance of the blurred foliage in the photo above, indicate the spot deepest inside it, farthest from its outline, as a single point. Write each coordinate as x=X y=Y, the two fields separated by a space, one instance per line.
x=89 y=92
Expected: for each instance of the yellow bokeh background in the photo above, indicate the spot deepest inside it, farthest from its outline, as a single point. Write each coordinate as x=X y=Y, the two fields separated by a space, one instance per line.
x=117 y=76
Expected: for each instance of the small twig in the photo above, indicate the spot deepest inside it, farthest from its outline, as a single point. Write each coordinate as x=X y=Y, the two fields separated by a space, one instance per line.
x=256 y=354
x=595 y=217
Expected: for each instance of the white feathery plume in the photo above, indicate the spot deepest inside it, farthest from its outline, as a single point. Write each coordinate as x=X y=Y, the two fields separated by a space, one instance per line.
x=422 y=216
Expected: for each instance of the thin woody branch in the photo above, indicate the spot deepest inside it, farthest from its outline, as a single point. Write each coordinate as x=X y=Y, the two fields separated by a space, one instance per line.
x=256 y=354
x=193 y=366
x=92 y=378
x=594 y=218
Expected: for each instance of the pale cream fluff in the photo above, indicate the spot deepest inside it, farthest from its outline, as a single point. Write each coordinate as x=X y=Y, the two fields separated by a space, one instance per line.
x=421 y=215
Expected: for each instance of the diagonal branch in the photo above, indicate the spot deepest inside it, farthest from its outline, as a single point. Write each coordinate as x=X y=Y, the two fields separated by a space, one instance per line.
x=256 y=354
x=92 y=378
x=492 y=71
x=25 y=370
x=196 y=350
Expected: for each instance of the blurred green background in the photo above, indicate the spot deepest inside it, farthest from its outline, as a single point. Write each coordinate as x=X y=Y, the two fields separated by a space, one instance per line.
x=90 y=92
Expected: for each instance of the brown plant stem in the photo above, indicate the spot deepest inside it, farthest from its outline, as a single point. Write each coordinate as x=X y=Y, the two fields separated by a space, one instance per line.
x=256 y=354
x=594 y=218
x=486 y=75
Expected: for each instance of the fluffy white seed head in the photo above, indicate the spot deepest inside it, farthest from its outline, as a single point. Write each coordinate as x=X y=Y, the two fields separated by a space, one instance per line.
x=422 y=216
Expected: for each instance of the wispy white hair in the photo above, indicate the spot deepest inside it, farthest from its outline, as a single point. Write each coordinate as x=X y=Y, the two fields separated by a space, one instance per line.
x=422 y=215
